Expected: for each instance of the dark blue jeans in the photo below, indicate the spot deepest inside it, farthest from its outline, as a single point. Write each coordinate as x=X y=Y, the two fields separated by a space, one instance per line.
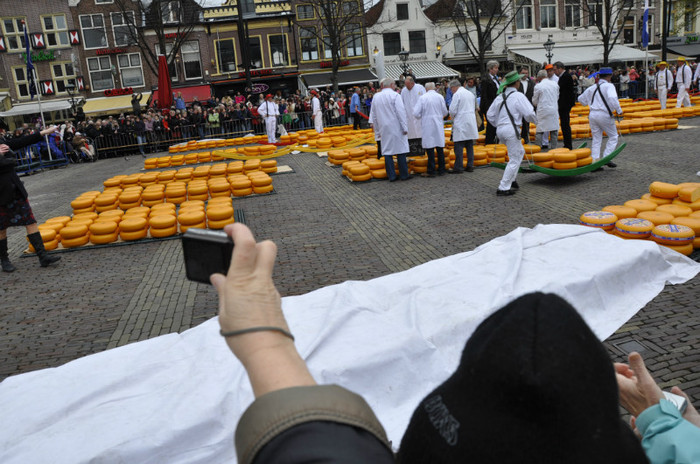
x=431 y=159
x=403 y=166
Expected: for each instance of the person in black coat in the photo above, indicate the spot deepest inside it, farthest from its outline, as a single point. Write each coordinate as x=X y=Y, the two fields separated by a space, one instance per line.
x=14 y=204
x=489 y=90
x=567 y=100
x=527 y=86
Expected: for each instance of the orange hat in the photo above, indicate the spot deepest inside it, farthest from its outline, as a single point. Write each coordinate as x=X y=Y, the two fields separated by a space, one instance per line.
x=549 y=66
x=269 y=95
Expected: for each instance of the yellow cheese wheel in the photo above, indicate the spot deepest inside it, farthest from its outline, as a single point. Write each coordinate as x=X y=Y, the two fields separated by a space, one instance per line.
x=213 y=224
x=564 y=157
x=695 y=206
x=191 y=217
x=106 y=200
x=663 y=190
x=103 y=227
x=689 y=194
x=165 y=232
x=692 y=222
x=656 y=217
x=219 y=201
x=152 y=195
x=47 y=235
x=599 y=219
x=201 y=225
x=268 y=163
x=641 y=205
x=565 y=165
x=543 y=164
x=241 y=183
x=74 y=242
x=675 y=210
x=133 y=224
x=79 y=222
x=263 y=189
x=162 y=221
x=52 y=245
x=542 y=157
x=61 y=219
x=188 y=203
x=128 y=206
x=419 y=162
x=82 y=203
x=362 y=177
x=74 y=232
x=261 y=181
x=101 y=239
x=55 y=226
x=219 y=187
x=696 y=242
x=141 y=210
x=242 y=192
x=682 y=249
x=359 y=169
x=529 y=148
x=129 y=236
x=197 y=189
x=621 y=211
x=670 y=234
x=633 y=228
x=379 y=173
x=84 y=210
x=112 y=213
x=581 y=153
x=219 y=213
x=657 y=200
x=682 y=185
x=91 y=215
x=584 y=161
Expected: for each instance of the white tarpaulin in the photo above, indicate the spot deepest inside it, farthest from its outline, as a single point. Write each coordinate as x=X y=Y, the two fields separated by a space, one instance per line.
x=177 y=398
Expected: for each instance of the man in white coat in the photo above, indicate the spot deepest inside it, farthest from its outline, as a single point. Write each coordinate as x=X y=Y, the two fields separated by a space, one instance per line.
x=602 y=100
x=269 y=111
x=316 y=112
x=509 y=109
x=546 y=98
x=464 y=128
x=431 y=111
x=388 y=118
x=684 y=79
x=663 y=81
x=410 y=94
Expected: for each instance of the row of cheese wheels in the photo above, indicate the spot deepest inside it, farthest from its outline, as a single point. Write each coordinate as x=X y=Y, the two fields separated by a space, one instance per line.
x=310 y=134
x=338 y=140
x=206 y=156
x=134 y=224
x=219 y=143
x=631 y=108
x=338 y=157
x=419 y=164
x=364 y=170
x=562 y=158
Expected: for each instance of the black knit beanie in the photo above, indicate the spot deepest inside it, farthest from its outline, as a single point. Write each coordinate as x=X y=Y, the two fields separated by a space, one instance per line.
x=534 y=385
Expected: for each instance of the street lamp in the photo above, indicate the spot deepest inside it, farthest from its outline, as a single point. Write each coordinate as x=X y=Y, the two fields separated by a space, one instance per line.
x=548 y=46
x=70 y=88
x=439 y=47
x=403 y=56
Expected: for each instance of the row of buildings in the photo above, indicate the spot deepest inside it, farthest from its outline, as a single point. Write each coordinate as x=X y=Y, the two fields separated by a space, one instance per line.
x=101 y=51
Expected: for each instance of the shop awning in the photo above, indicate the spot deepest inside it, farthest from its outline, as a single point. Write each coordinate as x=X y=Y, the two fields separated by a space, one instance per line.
x=422 y=70
x=685 y=50
x=582 y=54
x=202 y=92
x=109 y=105
x=33 y=108
x=351 y=77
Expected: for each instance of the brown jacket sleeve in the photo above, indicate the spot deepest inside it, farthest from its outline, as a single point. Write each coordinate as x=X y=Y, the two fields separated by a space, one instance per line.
x=278 y=411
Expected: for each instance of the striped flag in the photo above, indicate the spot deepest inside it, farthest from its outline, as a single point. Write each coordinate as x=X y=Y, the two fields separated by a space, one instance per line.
x=645 y=27
x=30 y=65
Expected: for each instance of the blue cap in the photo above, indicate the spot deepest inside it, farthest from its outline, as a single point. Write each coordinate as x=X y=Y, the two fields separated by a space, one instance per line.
x=605 y=71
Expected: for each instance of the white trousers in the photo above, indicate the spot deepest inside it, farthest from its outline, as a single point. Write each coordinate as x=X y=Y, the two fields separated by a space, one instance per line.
x=271 y=126
x=516 y=152
x=682 y=98
x=662 y=92
x=601 y=121
x=318 y=122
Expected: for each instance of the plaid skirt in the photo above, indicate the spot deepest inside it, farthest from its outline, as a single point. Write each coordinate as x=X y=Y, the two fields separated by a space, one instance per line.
x=17 y=213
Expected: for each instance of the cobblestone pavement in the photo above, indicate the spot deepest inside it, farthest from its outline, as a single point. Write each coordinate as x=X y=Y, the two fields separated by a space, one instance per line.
x=329 y=230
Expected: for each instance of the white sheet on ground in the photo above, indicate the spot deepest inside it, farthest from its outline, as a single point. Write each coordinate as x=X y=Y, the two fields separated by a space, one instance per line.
x=177 y=398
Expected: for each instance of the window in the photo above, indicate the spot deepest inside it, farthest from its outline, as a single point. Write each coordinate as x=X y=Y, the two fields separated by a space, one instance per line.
x=488 y=41
x=688 y=19
x=523 y=18
x=170 y=12
x=279 y=52
x=14 y=34
x=93 y=28
x=595 y=13
x=402 y=11
x=21 y=81
x=62 y=74
x=255 y=52
x=353 y=40
x=172 y=69
x=327 y=45
x=350 y=8
x=130 y=70
x=190 y=60
x=100 y=69
x=548 y=14
x=460 y=44
x=392 y=43
x=416 y=41
x=55 y=30
x=226 y=55
x=305 y=12
x=123 y=27
x=573 y=13
x=309 y=44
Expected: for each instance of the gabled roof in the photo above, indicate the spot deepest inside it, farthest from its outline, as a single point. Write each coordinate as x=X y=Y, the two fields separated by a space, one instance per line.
x=442 y=9
x=372 y=15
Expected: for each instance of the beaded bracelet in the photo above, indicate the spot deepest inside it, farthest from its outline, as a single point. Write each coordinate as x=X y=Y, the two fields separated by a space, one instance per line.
x=256 y=329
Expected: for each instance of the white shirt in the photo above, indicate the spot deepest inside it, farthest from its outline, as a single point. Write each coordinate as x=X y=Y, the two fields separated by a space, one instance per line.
x=663 y=79
x=608 y=91
x=268 y=109
x=554 y=78
x=410 y=100
x=315 y=106
x=546 y=97
x=463 y=112
x=519 y=107
x=388 y=115
x=524 y=83
x=684 y=76
x=431 y=111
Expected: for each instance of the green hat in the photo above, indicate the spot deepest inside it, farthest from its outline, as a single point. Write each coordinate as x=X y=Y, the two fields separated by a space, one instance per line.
x=511 y=77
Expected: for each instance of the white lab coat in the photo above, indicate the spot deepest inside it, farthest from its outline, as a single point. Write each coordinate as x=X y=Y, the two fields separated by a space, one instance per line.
x=684 y=78
x=269 y=111
x=410 y=100
x=463 y=112
x=317 y=114
x=546 y=97
x=389 y=118
x=431 y=110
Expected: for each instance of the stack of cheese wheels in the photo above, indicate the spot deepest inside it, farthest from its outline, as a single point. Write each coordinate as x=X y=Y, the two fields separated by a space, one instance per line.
x=251 y=165
x=89 y=216
x=338 y=157
x=162 y=222
x=419 y=165
x=497 y=152
x=49 y=237
x=165 y=177
x=267 y=150
x=359 y=172
x=693 y=223
x=219 y=213
x=621 y=211
x=241 y=185
x=176 y=192
x=219 y=187
x=133 y=227
x=268 y=166
x=346 y=167
x=634 y=228
x=251 y=151
x=204 y=157
x=131 y=180
x=55 y=224
x=163 y=208
x=376 y=167
x=153 y=195
x=163 y=162
x=191 y=218
x=677 y=237
x=338 y=141
x=201 y=173
x=150 y=163
x=598 y=219
x=184 y=174
x=371 y=151
x=198 y=189
x=481 y=157
x=74 y=235
x=191 y=158
x=262 y=183
x=104 y=231
x=114 y=215
x=177 y=160
x=545 y=160
x=357 y=154
x=324 y=142
x=83 y=204
x=106 y=201
x=564 y=158
x=149 y=178
x=583 y=156
x=130 y=198
x=234 y=167
x=115 y=181
x=218 y=170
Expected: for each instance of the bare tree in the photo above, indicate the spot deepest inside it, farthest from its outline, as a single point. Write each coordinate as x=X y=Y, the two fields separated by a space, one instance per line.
x=606 y=16
x=166 y=19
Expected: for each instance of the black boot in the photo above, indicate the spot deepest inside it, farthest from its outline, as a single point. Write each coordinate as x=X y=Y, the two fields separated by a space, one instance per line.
x=4 y=258
x=44 y=258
